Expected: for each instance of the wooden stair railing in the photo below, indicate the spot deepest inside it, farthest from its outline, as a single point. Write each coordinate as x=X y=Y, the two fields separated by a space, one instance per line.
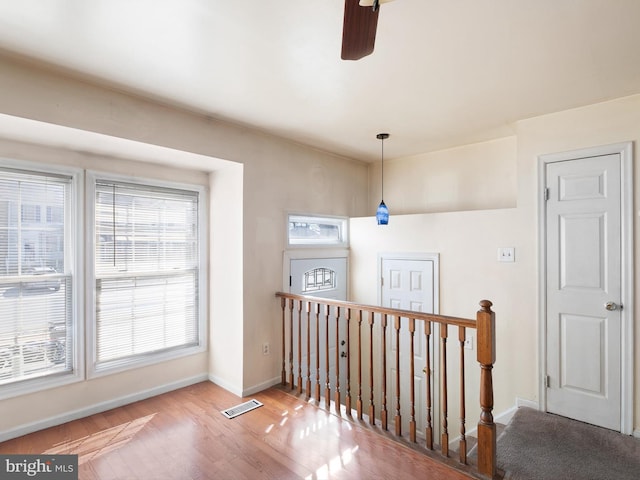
x=389 y=320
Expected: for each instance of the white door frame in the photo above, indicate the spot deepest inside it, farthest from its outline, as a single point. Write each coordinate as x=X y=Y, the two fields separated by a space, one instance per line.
x=625 y=150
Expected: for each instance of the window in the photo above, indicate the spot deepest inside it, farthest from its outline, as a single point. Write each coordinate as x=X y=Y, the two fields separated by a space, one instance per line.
x=319 y=279
x=37 y=340
x=147 y=256
x=317 y=231
x=145 y=287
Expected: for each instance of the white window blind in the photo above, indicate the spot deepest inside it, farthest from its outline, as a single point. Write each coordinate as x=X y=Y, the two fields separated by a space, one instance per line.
x=36 y=315
x=147 y=272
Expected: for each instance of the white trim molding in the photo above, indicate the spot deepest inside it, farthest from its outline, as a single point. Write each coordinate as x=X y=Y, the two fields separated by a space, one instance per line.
x=98 y=408
x=261 y=386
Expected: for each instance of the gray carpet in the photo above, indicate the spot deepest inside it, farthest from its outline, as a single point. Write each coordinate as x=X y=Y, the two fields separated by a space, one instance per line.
x=542 y=446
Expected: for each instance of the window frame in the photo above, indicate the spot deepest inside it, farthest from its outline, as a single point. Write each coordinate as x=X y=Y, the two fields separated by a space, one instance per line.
x=341 y=222
x=93 y=370
x=74 y=229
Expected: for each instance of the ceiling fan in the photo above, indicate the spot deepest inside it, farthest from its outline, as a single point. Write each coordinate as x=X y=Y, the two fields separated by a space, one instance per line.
x=359 y=28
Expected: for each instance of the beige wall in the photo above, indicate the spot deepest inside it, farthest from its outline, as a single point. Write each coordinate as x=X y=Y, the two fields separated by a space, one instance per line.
x=471 y=212
x=471 y=177
x=468 y=240
x=467 y=244
x=258 y=180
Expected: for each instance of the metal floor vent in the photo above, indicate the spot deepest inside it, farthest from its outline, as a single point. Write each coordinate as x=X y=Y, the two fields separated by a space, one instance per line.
x=242 y=408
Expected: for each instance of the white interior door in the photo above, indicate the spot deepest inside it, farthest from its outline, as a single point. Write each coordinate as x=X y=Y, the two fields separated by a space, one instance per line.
x=409 y=284
x=325 y=278
x=583 y=289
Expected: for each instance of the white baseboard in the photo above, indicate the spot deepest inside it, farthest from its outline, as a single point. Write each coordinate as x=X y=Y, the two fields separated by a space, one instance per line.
x=226 y=385
x=636 y=433
x=502 y=417
x=523 y=402
x=98 y=408
x=246 y=391
x=261 y=386
x=505 y=417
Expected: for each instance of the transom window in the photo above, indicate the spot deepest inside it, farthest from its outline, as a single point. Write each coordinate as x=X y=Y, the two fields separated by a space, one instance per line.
x=316 y=231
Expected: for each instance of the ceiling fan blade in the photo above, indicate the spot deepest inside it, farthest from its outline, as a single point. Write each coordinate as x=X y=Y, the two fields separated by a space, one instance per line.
x=358 y=31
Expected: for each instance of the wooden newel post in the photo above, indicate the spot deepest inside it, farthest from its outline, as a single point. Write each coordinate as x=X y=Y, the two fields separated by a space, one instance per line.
x=283 y=304
x=486 y=331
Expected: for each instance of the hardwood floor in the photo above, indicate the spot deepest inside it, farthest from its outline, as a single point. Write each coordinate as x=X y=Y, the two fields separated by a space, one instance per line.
x=182 y=435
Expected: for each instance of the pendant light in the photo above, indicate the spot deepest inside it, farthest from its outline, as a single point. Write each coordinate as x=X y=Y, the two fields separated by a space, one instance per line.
x=382 y=214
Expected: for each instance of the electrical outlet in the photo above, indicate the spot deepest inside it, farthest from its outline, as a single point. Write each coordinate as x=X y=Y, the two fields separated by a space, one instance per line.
x=506 y=254
x=266 y=349
x=468 y=342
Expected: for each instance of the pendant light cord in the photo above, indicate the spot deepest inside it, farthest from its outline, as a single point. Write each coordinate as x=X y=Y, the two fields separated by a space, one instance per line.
x=382 y=213
x=382 y=137
x=382 y=172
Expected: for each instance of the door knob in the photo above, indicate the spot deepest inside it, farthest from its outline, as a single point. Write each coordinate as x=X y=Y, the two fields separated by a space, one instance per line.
x=611 y=306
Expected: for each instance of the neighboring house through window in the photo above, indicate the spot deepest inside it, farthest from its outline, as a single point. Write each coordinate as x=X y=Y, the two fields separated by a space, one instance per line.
x=145 y=282
x=37 y=324
x=148 y=293
x=317 y=231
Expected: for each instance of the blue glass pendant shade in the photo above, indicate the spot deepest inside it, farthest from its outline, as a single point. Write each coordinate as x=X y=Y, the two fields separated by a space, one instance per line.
x=382 y=214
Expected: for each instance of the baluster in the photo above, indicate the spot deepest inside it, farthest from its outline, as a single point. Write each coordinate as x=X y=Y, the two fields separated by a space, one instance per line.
x=486 y=341
x=444 y=443
x=337 y=394
x=291 y=384
x=429 y=426
x=412 y=387
x=463 y=439
x=327 y=387
x=308 y=385
x=348 y=397
x=300 y=347
x=283 y=305
x=317 y=308
x=398 y=419
x=359 y=401
x=372 y=408
x=383 y=412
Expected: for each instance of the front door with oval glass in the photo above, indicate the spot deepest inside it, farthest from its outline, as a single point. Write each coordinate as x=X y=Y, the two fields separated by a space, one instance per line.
x=325 y=278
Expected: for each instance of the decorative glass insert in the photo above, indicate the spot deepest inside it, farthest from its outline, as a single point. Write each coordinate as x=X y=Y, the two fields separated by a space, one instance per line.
x=319 y=279
x=316 y=230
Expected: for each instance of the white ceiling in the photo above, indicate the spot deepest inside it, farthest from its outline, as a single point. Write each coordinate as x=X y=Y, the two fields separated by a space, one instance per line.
x=443 y=73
